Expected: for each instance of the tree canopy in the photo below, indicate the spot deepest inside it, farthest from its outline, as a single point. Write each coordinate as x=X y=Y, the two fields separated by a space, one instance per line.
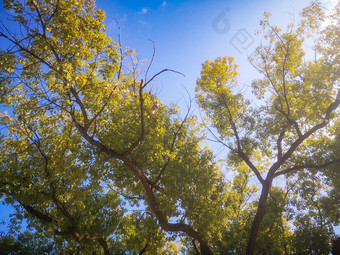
x=97 y=164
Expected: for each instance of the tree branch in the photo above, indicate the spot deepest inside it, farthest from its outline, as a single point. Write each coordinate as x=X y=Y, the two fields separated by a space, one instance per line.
x=171 y=147
x=333 y=106
x=34 y=212
x=164 y=70
x=279 y=144
x=151 y=61
x=195 y=247
x=28 y=51
x=143 y=250
x=120 y=50
x=162 y=219
x=82 y=107
x=143 y=134
x=306 y=166
x=239 y=146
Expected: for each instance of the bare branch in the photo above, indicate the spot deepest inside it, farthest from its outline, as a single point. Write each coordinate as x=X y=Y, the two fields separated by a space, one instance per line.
x=120 y=49
x=164 y=70
x=151 y=61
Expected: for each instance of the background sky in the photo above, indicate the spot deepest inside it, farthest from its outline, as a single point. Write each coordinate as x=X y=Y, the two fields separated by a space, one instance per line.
x=187 y=33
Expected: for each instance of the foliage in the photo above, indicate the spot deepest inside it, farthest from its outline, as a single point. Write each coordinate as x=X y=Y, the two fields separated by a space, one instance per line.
x=96 y=164
x=84 y=141
x=291 y=133
x=26 y=243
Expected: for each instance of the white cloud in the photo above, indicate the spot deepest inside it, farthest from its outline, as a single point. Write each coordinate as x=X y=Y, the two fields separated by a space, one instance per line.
x=144 y=10
x=163 y=4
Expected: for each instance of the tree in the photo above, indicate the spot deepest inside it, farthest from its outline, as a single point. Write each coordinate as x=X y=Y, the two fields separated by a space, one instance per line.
x=26 y=243
x=82 y=137
x=98 y=165
x=290 y=134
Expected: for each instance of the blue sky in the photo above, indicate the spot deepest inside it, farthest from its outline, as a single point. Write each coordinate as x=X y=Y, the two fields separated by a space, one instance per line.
x=186 y=33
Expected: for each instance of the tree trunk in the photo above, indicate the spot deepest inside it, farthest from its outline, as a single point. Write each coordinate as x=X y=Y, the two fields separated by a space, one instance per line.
x=205 y=248
x=261 y=211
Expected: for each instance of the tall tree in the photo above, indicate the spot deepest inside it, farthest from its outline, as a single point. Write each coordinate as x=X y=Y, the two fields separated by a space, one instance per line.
x=292 y=130
x=84 y=134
